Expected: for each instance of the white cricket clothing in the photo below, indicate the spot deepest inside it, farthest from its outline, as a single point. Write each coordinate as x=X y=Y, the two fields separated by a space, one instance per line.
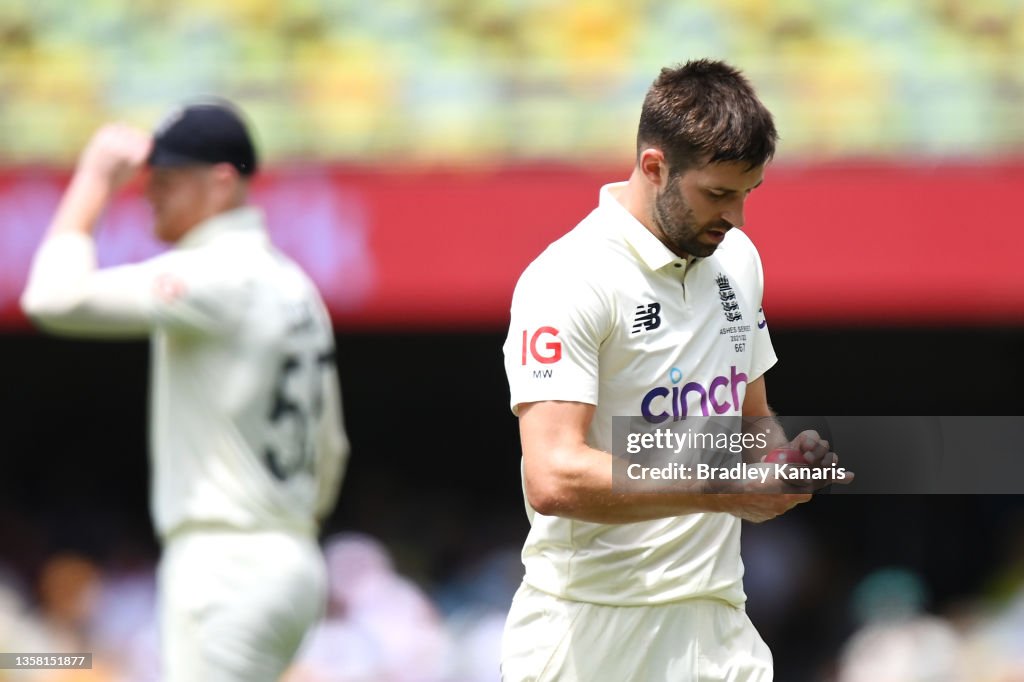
x=246 y=429
x=548 y=639
x=608 y=315
x=235 y=606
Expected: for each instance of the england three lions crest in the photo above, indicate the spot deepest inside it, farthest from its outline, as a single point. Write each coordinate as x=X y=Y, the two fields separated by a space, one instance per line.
x=727 y=297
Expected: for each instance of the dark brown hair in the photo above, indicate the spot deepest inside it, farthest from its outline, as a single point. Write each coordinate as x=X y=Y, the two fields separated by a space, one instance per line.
x=705 y=112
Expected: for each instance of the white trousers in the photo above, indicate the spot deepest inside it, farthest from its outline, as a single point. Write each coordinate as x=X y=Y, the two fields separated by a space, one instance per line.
x=548 y=639
x=235 y=606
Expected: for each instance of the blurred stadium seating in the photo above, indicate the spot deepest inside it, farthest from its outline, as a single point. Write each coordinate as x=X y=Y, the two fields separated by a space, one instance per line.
x=467 y=82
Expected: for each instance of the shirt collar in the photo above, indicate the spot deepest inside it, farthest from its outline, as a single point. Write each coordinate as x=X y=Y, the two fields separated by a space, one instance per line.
x=652 y=252
x=245 y=219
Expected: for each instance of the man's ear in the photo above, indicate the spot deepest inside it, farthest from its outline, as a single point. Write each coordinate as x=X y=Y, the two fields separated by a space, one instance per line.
x=653 y=166
x=225 y=171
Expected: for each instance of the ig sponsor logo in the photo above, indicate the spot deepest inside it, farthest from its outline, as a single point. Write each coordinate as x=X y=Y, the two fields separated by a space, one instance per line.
x=542 y=345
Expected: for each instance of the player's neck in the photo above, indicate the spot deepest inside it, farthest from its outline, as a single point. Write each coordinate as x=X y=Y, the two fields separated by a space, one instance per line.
x=636 y=198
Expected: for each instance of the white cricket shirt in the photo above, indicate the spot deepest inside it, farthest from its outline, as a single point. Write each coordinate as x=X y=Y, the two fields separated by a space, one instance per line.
x=246 y=428
x=607 y=315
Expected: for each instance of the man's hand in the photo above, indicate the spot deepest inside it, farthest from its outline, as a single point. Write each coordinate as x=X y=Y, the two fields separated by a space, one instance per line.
x=812 y=451
x=763 y=500
x=115 y=154
x=817 y=451
x=758 y=507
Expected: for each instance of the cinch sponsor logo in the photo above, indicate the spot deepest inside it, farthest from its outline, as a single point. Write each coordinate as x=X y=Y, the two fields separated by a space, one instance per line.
x=662 y=402
x=543 y=345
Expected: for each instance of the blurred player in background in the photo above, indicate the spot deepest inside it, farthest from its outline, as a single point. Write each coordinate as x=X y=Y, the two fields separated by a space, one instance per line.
x=247 y=441
x=634 y=586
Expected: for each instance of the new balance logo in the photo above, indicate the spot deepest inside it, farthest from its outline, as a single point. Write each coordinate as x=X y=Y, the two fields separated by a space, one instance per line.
x=543 y=373
x=727 y=297
x=647 y=317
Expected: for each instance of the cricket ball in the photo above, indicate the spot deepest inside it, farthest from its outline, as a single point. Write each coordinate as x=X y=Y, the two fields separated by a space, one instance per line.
x=786 y=455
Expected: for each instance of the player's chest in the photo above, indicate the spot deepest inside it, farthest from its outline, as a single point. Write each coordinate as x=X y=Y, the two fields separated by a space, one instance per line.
x=672 y=308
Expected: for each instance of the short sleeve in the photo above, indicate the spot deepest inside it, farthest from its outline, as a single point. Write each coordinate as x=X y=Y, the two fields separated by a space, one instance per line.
x=763 y=353
x=558 y=324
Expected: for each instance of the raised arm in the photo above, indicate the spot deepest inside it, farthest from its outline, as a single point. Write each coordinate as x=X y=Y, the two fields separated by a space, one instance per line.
x=63 y=293
x=113 y=156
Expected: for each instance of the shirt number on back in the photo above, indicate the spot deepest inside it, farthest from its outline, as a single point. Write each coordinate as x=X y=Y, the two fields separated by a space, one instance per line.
x=295 y=406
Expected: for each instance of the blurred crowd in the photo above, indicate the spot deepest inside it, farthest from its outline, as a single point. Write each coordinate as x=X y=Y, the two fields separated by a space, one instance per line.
x=451 y=81
x=883 y=624
x=381 y=626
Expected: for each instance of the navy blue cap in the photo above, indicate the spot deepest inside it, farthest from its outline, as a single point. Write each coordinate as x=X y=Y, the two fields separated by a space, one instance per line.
x=206 y=133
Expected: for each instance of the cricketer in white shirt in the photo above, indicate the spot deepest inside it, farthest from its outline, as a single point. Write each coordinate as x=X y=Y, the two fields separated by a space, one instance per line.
x=610 y=322
x=247 y=441
x=246 y=422
x=607 y=315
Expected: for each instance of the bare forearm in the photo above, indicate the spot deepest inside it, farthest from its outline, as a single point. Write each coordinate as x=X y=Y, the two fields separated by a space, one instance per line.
x=81 y=206
x=765 y=429
x=566 y=477
x=578 y=484
x=581 y=487
x=113 y=156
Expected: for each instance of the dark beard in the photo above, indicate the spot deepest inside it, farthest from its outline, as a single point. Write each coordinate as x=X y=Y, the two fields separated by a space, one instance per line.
x=674 y=219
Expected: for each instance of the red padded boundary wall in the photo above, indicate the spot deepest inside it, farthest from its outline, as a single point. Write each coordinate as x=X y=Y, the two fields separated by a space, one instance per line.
x=844 y=244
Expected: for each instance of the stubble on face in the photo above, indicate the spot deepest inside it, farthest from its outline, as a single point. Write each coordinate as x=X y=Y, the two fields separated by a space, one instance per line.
x=677 y=223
